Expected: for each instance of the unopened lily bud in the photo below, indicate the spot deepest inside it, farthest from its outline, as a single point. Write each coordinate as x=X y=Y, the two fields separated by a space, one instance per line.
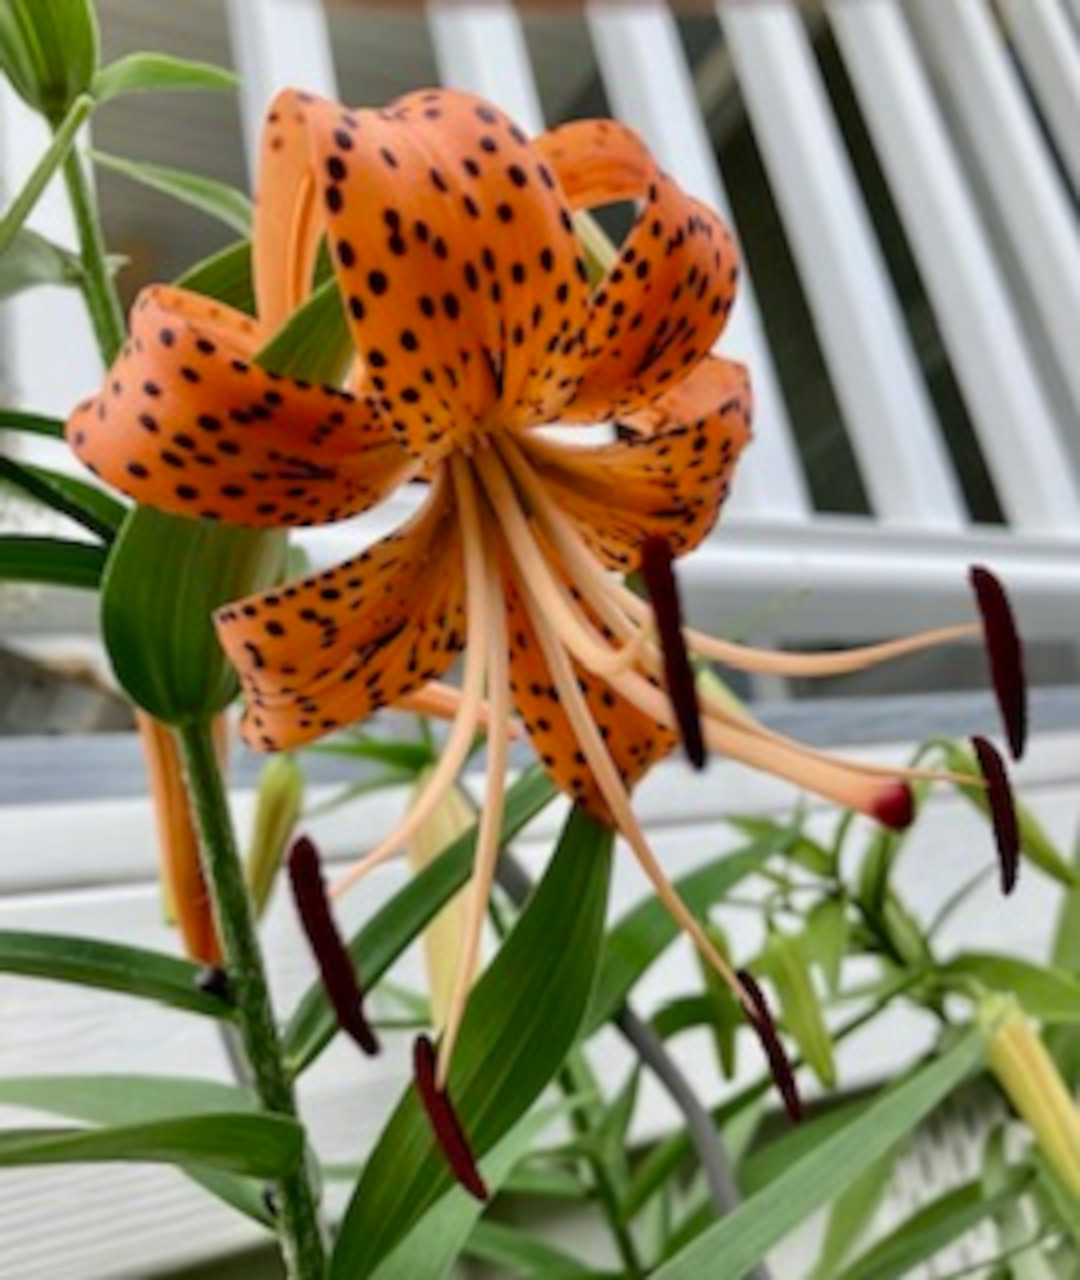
x=1030 y=1079
x=48 y=51
x=444 y=938
x=187 y=900
x=277 y=808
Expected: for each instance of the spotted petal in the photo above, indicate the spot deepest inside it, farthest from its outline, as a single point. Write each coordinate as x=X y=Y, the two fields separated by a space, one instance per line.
x=668 y=481
x=188 y=424
x=334 y=648
x=634 y=740
x=454 y=250
x=667 y=296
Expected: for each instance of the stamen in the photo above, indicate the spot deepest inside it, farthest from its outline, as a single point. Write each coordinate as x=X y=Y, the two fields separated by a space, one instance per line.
x=447 y=1127
x=580 y=637
x=761 y=1020
x=607 y=778
x=335 y=963
x=463 y=729
x=487 y=841
x=1002 y=811
x=1005 y=654
x=659 y=575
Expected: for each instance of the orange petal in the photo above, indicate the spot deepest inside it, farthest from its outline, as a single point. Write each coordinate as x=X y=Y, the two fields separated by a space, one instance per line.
x=186 y=423
x=668 y=482
x=634 y=740
x=668 y=294
x=289 y=220
x=332 y=649
x=455 y=254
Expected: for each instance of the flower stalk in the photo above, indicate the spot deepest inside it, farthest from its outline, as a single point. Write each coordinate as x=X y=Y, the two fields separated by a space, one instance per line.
x=297 y=1219
x=102 y=301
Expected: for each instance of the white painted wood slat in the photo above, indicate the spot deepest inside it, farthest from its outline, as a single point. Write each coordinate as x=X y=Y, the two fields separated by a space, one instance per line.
x=278 y=44
x=976 y=77
x=1015 y=423
x=1048 y=44
x=887 y=411
x=649 y=86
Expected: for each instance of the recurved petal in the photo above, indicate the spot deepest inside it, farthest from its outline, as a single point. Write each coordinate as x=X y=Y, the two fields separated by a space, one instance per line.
x=289 y=217
x=668 y=481
x=668 y=294
x=330 y=650
x=454 y=250
x=634 y=740
x=187 y=423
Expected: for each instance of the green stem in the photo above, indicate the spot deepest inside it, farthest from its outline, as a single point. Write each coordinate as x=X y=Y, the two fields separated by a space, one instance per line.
x=102 y=300
x=297 y=1219
x=63 y=140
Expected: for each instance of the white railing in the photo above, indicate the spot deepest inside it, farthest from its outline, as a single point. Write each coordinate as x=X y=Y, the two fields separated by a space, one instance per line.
x=974 y=119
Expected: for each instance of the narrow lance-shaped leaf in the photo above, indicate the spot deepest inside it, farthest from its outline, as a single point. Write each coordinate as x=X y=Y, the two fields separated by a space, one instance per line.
x=155 y=72
x=727 y=1250
x=522 y=1018
x=82 y=502
x=30 y=260
x=784 y=961
x=52 y=561
x=217 y=199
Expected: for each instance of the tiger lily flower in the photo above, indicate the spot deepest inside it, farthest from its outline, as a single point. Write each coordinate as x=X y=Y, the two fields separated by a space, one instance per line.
x=452 y=241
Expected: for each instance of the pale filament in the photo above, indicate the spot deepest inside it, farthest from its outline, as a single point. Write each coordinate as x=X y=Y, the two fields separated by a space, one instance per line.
x=463 y=728
x=441 y=701
x=533 y=565
x=491 y=816
x=614 y=793
x=736 y=656
x=609 y=599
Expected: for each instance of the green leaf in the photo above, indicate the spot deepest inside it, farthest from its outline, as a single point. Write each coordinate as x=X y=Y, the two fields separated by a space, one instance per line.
x=643 y=933
x=31 y=260
x=84 y=503
x=784 y=962
x=825 y=939
x=516 y=1253
x=49 y=51
x=386 y=935
x=226 y=276
x=315 y=342
x=260 y=1146
x=1045 y=993
x=50 y=560
x=152 y=72
x=34 y=423
x=523 y=1016
x=769 y=1161
x=124 y=1100
x=133 y=971
x=728 y=1249
x=410 y=757
x=851 y=1215
x=217 y=199
x=930 y=1230
x=429 y=1250
x=165 y=578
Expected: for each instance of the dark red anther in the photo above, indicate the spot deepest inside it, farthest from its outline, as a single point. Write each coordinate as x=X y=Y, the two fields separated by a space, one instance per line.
x=1005 y=654
x=658 y=572
x=1002 y=811
x=761 y=1020
x=335 y=963
x=895 y=807
x=448 y=1131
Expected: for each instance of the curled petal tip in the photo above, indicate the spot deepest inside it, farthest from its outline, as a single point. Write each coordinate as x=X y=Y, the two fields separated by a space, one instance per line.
x=1005 y=654
x=1002 y=810
x=895 y=806
x=658 y=572
x=331 y=955
x=761 y=1020
x=444 y=1121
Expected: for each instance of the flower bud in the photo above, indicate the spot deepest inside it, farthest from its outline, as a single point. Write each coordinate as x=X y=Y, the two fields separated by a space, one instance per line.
x=48 y=51
x=1029 y=1077
x=277 y=807
x=444 y=937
